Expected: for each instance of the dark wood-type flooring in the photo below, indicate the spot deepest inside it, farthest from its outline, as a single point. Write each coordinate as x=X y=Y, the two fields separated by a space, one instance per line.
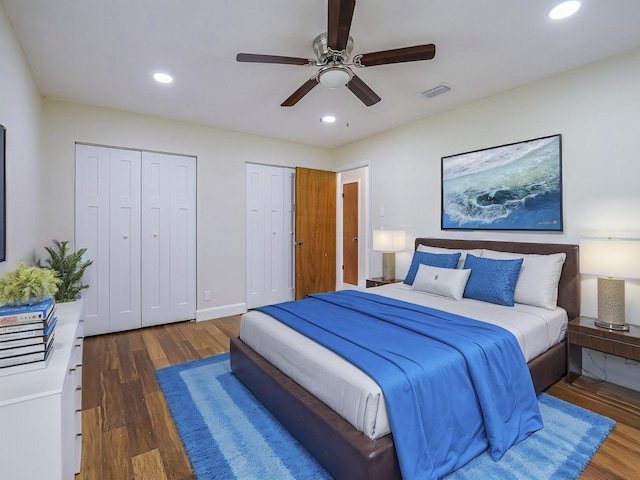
x=128 y=432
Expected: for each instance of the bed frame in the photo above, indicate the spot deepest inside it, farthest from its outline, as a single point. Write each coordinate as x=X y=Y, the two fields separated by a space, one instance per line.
x=345 y=452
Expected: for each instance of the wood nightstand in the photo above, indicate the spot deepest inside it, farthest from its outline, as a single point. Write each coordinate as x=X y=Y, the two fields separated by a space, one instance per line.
x=582 y=332
x=377 y=281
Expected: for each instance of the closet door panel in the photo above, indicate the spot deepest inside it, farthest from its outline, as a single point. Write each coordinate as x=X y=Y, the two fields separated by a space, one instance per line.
x=92 y=232
x=269 y=234
x=183 y=238
x=124 y=234
x=168 y=238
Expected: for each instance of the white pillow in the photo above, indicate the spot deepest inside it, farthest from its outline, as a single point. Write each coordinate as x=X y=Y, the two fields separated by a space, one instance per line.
x=537 y=283
x=463 y=253
x=446 y=282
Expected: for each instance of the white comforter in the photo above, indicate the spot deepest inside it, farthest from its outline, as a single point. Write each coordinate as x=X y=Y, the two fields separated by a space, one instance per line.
x=353 y=394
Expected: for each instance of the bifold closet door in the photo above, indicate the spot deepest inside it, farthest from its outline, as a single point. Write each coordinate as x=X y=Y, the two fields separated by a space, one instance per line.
x=270 y=249
x=135 y=214
x=168 y=238
x=108 y=226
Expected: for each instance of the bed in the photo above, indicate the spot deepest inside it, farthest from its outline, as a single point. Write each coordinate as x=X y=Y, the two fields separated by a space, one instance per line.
x=350 y=452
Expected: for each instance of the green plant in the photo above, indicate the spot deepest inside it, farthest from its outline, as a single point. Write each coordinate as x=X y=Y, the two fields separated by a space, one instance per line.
x=27 y=284
x=70 y=268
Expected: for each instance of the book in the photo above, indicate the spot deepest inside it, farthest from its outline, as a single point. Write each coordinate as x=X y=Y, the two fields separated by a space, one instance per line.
x=22 y=341
x=26 y=358
x=27 y=325
x=18 y=351
x=10 y=315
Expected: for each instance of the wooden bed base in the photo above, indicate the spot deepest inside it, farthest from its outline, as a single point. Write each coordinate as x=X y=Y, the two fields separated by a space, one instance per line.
x=345 y=452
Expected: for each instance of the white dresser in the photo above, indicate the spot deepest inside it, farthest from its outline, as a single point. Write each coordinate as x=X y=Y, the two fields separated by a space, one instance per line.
x=41 y=410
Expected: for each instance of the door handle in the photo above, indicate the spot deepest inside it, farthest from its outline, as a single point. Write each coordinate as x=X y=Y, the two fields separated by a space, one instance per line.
x=300 y=243
x=355 y=239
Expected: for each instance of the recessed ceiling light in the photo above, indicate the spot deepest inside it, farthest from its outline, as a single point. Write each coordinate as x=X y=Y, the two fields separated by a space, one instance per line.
x=163 y=77
x=564 y=10
x=328 y=119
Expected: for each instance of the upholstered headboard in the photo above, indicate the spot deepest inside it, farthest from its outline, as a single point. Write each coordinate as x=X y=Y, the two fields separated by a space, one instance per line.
x=569 y=285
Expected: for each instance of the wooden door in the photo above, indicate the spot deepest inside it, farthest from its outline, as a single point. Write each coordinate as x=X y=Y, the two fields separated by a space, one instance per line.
x=350 y=233
x=315 y=231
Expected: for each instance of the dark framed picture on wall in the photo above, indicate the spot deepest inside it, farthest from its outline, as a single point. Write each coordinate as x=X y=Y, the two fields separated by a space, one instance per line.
x=511 y=187
x=3 y=223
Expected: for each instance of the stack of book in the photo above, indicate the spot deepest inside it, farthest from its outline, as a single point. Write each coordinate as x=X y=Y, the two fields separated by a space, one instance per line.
x=26 y=336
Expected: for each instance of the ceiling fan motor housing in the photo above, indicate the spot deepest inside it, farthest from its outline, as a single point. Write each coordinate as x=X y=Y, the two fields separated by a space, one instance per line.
x=326 y=54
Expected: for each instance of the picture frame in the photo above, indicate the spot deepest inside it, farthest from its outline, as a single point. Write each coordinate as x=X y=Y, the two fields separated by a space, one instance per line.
x=517 y=186
x=3 y=211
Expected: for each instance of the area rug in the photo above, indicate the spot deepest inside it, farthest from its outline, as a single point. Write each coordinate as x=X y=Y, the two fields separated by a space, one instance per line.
x=228 y=434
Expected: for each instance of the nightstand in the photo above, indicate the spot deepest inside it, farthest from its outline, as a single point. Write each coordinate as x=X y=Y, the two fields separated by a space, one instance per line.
x=582 y=332
x=377 y=281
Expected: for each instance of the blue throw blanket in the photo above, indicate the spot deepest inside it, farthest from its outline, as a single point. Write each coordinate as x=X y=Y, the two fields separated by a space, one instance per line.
x=453 y=386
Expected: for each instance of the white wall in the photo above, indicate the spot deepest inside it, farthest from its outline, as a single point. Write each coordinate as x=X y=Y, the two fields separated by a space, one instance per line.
x=221 y=157
x=596 y=109
x=20 y=115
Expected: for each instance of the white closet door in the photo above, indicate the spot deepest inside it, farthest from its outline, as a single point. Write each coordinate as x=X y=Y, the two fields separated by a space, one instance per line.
x=289 y=247
x=124 y=236
x=269 y=235
x=168 y=238
x=92 y=233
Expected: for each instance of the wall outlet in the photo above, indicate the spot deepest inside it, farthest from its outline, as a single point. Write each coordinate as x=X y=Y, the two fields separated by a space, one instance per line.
x=207 y=295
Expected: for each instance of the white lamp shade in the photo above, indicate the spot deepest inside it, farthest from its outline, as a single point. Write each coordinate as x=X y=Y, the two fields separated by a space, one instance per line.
x=610 y=258
x=389 y=240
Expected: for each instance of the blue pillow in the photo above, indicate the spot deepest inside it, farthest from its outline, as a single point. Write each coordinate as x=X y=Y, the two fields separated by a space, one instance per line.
x=444 y=260
x=492 y=280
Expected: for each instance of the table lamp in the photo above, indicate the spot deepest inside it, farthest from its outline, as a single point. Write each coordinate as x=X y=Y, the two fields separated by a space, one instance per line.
x=388 y=242
x=612 y=261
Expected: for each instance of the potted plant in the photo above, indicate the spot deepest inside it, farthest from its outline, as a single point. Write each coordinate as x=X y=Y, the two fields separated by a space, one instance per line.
x=27 y=285
x=70 y=268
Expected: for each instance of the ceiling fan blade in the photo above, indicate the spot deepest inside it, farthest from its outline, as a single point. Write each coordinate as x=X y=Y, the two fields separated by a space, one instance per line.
x=399 y=55
x=362 y=91
x=299 y=93
x=339 y=23
x=257 y=58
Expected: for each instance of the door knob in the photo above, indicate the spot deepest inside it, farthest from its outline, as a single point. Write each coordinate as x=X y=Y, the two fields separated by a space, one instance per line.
x=355 y=239
x=300 y=242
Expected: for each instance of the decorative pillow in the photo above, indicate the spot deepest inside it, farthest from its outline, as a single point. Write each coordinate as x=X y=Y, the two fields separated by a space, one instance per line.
x=463 y=253
x=435 y=260
x=446 y=282
x=539 y=276
x=492 y=280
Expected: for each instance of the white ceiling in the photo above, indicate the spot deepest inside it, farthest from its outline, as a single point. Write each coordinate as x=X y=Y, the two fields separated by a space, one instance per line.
x=104 y=53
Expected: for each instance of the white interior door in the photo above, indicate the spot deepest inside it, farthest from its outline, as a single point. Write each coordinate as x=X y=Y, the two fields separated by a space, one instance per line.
x=137 y=220
x=270 y=277
x=124 y=240
x=92 y=232
x=168 y=238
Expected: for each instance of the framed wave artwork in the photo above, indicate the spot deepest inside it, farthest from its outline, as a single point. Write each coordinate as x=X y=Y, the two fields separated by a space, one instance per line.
x=510 y=187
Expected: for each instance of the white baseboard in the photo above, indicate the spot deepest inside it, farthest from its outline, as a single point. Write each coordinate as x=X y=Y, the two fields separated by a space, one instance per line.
x=222 y=311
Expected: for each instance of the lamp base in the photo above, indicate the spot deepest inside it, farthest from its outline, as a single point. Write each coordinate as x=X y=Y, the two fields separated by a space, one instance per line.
x=388 y=266
x=612 y=326
x=611 y=304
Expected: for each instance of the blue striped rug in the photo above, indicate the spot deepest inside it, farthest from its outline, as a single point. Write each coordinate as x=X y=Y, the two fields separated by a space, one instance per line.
x=229 y=435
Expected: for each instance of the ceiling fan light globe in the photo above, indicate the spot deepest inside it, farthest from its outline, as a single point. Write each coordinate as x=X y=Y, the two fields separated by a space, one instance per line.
x=334 y=77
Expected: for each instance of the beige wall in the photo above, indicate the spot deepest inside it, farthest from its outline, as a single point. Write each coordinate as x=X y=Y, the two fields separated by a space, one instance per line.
x=221 y=155
x=595 y=108
x=20 y=115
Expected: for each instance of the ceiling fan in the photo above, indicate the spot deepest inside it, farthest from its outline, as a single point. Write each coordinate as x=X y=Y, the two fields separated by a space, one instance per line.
x=333 y=51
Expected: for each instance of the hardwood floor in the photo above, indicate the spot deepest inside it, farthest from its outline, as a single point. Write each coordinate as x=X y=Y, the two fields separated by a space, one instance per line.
x=128 y=432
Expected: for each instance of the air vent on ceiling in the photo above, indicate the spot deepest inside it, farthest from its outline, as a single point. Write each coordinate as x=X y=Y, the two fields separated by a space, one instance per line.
x=435 y=91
